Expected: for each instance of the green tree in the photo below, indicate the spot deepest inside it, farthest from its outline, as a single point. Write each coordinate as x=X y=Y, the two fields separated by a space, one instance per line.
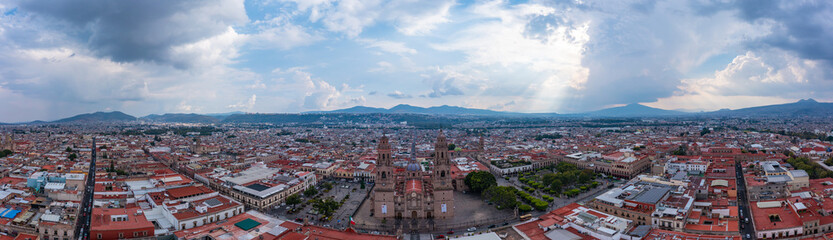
x=585 y=176
x=293 y=200
x=69 y=149
x=326 y=207
x=503 y=196
x=310 y=192
x=478 y=181
x=5 y=153
x=548 y=178
x=72 y=157
x=539 y=204
x=565 y=167
x=681 y=151
x=451 y=147
x=556 y=185
x=327 y=185
x=524 y=208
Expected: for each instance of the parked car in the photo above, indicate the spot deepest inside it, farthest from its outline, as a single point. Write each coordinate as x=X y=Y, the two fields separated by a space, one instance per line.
x=472 y=229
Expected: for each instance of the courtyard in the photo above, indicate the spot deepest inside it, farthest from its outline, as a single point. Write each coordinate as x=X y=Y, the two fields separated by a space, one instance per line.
x=469 y=211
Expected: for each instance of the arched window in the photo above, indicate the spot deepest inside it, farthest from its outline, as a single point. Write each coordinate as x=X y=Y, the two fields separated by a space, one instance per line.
x=384 y=175
x=442 y=173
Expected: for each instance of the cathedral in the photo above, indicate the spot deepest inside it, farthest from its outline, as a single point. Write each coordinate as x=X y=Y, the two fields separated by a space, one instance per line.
x=413 y=193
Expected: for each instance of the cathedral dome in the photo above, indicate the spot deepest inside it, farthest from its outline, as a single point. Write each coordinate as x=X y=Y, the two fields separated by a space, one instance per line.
x=412 y=166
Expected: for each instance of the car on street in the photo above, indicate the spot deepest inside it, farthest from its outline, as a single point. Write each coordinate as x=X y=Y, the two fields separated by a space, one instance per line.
x=748 y=237
x=471 y=229
x=440 y=236
x=450 y=232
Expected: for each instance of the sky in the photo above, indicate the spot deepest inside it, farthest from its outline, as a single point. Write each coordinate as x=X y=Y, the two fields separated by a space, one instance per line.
x=62 y=58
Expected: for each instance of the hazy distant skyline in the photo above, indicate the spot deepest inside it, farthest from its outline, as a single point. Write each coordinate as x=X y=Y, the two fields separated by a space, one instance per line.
x=59 y=59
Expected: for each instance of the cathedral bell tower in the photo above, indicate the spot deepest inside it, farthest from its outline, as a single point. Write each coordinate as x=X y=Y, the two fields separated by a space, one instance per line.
x=383 y=192
x=443 y=190
x=384 y=165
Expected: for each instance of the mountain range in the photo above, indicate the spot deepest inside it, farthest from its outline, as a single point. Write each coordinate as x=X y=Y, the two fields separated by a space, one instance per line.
x=804 y=107
x=405 y=108
x=98 y=117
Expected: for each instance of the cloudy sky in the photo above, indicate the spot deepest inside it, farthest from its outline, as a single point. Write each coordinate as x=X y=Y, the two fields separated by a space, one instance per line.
x=61 y=58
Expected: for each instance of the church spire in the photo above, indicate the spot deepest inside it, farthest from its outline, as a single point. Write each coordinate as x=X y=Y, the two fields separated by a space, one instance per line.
x=384 y=151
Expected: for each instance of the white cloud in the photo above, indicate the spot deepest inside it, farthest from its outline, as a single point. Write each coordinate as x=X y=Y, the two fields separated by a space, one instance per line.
x=351 y=16
x=498 y=44
x=399 y=95
x=388 y=46
x=752 y=79
x=216 y=50
x=311 y=93
x=280 y=33
x=425 y=22
x=247 y=105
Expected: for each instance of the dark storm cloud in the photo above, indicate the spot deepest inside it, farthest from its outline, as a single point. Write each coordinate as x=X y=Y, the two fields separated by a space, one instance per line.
x=129 y=31
x=804 y=27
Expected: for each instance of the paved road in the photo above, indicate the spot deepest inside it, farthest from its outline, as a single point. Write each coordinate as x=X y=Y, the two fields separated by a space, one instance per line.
x=82 y=227
x=747 y=227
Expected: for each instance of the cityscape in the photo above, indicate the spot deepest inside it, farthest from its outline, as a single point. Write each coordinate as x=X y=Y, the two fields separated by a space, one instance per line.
x=416 y=120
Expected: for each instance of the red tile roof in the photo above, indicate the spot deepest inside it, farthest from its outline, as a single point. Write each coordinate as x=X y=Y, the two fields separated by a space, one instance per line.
x=414 y=186
x=101 y=219
x=177 y=193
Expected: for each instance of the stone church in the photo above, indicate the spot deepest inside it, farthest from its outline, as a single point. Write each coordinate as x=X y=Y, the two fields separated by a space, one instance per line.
x=413 y=193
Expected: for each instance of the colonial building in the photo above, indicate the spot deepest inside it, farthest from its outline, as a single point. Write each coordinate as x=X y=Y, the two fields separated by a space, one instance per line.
x=413 y=193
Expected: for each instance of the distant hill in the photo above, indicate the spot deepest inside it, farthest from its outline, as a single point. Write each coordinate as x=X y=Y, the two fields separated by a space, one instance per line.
x=223 y=115
x=98 y=117
x=415 y=114
x=804 y=107
x=181 y=118
x=357 y=109
x=405 y=108
x=633 y=110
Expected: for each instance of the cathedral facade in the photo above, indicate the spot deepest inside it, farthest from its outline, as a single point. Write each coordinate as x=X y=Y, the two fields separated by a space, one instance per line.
x=413 y=193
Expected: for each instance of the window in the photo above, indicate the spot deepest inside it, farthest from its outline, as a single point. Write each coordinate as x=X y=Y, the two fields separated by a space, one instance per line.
x=99 y=236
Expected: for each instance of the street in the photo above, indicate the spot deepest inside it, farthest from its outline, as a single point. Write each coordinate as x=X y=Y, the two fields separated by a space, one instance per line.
x=746 y=227
x=82 y=227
